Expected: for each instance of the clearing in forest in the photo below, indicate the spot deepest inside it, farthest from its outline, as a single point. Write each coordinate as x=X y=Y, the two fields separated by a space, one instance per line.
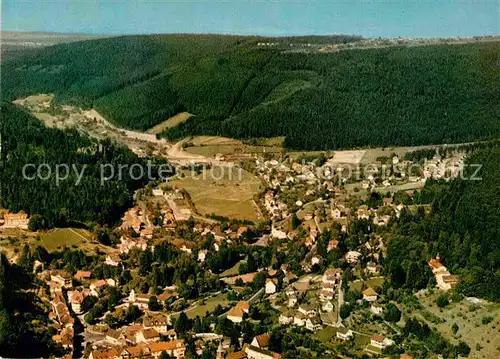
x=170 y=122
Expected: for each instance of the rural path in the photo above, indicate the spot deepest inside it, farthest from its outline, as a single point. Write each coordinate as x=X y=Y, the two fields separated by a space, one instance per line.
x=340 y=302
x=78 y=234
x=176 y=153
x=256 y=295
x=317 y=225
x=260 y=215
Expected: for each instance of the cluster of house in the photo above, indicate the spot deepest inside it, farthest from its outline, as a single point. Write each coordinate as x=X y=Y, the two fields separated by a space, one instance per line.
x=444 y=279
x=174 y=348
x=153 y=329
x=305 y=316
x=57 y=280
x=283 y=175
x=377 y=342
x=134 y=219
x=63 y=321
x=18 y=220
x=257 y=349
x=141 y=341
x=142 y=300
x=277 y=210
x=438 y=168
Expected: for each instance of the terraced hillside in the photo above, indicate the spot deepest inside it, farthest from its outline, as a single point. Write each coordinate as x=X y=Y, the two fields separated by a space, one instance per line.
x=236 y=88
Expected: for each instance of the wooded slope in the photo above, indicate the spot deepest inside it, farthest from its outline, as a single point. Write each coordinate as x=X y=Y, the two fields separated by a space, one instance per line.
x=375 y=97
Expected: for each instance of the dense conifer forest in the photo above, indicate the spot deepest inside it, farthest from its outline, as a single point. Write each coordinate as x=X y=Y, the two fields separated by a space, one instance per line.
x=23 y=322
x=462 y=227
x=25 y=140
x=353 y=98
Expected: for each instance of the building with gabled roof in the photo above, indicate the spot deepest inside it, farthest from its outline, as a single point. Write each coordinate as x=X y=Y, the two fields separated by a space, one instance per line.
x=235 y=315
x=271 y=286
x=175 y=348
x=261 y=341
x=258 y=353
x=344 y=334
x=369 y=294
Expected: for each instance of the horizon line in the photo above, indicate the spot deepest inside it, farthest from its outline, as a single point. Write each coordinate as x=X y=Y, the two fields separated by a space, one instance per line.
x=244 y=35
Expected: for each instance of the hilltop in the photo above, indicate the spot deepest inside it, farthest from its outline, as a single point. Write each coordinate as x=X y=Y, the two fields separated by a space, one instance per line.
x=19 y=43
x=252 y=87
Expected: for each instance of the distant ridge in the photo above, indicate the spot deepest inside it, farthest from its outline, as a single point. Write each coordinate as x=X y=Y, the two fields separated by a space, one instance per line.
x=307 y=89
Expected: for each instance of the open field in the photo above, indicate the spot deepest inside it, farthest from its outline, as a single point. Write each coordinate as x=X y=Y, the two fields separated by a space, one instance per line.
x=326 y=335
x=59 y=238
x=209 y=305
x=53 y=240
x=224 y=191
x=372 y=282
x=170 y=122
x=209 y=146
x=478 y=324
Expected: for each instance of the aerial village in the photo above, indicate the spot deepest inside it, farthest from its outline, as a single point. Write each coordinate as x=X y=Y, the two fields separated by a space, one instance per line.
x=167 y=282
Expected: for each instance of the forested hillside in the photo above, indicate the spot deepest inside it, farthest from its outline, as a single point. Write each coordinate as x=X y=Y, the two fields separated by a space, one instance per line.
x=24 y=331
x=235 y=88
x=26 y=141
x=463 y=228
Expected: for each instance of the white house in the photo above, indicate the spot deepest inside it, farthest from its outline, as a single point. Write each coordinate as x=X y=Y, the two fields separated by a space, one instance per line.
x=327 y=306
x=379 y=341
x=76 y=299
x=344 y=334
x=158 y=322
x=328 y=291
x=352 y=257
x=315 y=260
x=202 y=255
x=258 y=353
x=235 y=315
x=270 y=286
x=376 y=309
x=370 y=295
x=307 y=310
x=372 y=268
x=261 y=341
x=444 y=280
x=286 y=318
x=113 y=259
x=313 y=324
x=147 y=336
x=63 y=279
x=299 y=319
x=278 y=233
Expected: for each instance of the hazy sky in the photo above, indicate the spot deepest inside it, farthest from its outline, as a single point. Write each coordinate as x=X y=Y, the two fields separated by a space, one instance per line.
x=386 y=18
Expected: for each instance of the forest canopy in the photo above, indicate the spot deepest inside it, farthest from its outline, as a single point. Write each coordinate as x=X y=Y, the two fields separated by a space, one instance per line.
x=25 y=140
x=462 y=228
x=374 y=97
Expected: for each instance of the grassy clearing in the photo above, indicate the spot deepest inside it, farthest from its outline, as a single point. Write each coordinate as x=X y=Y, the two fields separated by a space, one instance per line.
x=209 y=146
x=372 y=282
x=209 y=305
x=232 y=271
x=361 y=341
x=60 y=238
x=326 y=335
x=222 y=190
x=171 y=122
